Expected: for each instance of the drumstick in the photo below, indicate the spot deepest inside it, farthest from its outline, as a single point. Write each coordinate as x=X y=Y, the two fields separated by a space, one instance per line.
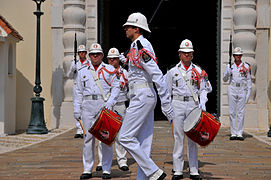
x=79 y=119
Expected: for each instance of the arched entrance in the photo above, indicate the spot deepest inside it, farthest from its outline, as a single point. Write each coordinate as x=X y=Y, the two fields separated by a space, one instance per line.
x=175 y=20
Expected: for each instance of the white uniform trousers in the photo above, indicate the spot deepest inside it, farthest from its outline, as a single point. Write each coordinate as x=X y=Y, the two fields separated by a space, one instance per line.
x=89 y=109
x=120 y=151
x=237 y=102
x=77 y=124
x=181 y=110
x=136 y=132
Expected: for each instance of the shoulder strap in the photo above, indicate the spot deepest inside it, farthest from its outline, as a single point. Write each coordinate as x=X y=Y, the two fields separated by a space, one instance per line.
x=187 y=81
x=98 y=83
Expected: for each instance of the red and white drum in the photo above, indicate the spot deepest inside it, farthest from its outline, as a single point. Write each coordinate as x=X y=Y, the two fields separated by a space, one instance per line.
x=107 y=126
x=201 y=127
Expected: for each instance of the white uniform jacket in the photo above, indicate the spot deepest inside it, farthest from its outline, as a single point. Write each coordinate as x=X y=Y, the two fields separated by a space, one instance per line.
x=74 y=68
x=178 y=85
x=85 y=85
x=149 y=71
x=239 y=76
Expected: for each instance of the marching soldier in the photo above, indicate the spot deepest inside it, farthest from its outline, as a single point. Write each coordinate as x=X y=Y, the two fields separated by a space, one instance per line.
x=239 y=90
x=96 y=87
x=137 y=129
x=188 y=88
x=72 y=74
x=113 y=59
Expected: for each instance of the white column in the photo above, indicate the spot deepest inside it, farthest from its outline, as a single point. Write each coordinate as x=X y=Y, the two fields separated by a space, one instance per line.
x=74 y=19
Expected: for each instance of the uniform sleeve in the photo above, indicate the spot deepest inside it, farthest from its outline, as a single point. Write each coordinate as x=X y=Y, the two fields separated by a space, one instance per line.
x=115 y=89
x=168 y=79
x=203 y=91
x=157 y=77
x=72 y=71
x=226 y=74
x=78 y=97
x=249 y=86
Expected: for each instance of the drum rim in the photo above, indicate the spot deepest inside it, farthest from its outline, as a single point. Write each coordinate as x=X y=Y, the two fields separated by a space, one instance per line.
x=197 y=120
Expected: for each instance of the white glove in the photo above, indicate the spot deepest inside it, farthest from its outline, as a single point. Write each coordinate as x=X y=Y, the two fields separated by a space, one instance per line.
x=108 y=105
x=76 y=115
x=202 y=106
x=122 y=58
x=229 y=72
x=168 y=111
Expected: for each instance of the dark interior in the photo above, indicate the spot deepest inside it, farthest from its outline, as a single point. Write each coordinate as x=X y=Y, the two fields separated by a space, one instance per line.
x=174 y=21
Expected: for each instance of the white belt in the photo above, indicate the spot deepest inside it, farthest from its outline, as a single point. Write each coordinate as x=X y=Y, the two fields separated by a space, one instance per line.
x=140 y=85
x=183 y=98
x=93 y=97
x=238 y=84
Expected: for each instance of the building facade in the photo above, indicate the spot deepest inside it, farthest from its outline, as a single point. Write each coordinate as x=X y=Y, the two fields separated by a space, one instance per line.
x=100 y=21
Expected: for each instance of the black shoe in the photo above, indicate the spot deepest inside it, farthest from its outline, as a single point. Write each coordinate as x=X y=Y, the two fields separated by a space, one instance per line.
x=106 y=176
x=86 y=176
x=233 y=138
x=124 y=168
x=177 y=177
x=240 y=138
x=162 y=176
x=195 y=177
x=99 y=168
x=78 y=136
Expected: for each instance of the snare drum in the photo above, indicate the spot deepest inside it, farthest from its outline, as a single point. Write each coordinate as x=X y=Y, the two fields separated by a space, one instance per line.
x=201 y=127
x=107 y=126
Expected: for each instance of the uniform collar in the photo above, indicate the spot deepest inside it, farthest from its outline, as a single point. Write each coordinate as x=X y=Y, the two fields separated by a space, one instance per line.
x=133 y=45
x=180 y=64
x=100 y=66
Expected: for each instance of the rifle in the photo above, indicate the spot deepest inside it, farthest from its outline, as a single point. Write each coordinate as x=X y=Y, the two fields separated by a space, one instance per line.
x=75 y=48
x=230 y=51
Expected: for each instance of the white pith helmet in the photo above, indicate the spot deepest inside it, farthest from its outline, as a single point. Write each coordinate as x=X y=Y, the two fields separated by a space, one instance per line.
x=186 y=46
x=81 y=48
x=113 y=53
x=138 y=20
x=95 y=48
x=237 y=51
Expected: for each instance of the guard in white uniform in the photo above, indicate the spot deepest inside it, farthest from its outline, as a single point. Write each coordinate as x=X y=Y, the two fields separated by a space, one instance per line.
x=122 y=75
x=72 y=74
x=137 y=129
x=238 y=92
x=89 y=99
x=183 y=102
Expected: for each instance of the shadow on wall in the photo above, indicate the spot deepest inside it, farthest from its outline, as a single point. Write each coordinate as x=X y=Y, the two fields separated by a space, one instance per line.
x=24 y=93
x=57 y=93
x=269 y=91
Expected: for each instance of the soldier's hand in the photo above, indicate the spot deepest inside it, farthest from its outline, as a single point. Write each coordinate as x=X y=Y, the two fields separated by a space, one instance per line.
x=229 y=71
x=168 y=111
x=122 y=57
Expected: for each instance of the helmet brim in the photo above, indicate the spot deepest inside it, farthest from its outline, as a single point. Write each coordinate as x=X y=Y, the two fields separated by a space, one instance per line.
x=186 y=50
x=136 y=25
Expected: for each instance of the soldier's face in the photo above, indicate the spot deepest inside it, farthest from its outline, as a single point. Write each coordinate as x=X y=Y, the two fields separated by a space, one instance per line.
x=186 y=56
x=130 y=32
x=237 y=58
x=114 y=62
x=82 y=55
x=96 y=58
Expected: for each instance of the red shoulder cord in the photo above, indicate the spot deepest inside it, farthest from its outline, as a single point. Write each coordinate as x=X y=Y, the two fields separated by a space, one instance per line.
x=198 y=77
x=136 y=58
x=101 y=71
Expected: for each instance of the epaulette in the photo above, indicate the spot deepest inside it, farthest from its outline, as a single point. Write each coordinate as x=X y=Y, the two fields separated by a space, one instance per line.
x=83 y=67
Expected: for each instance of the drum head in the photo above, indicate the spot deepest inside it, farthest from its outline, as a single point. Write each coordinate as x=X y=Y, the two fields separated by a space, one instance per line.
x=192 y=119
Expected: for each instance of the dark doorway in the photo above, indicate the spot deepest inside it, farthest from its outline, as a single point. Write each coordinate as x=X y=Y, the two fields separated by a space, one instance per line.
x=175 y=21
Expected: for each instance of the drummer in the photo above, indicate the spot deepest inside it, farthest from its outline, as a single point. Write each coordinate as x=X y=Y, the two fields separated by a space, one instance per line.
x=183 y=102
x=122 y=74
x=90 y=97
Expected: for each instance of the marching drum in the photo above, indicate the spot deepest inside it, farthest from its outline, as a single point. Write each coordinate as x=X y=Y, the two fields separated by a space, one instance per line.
x=107 y=126
x=201 y=127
